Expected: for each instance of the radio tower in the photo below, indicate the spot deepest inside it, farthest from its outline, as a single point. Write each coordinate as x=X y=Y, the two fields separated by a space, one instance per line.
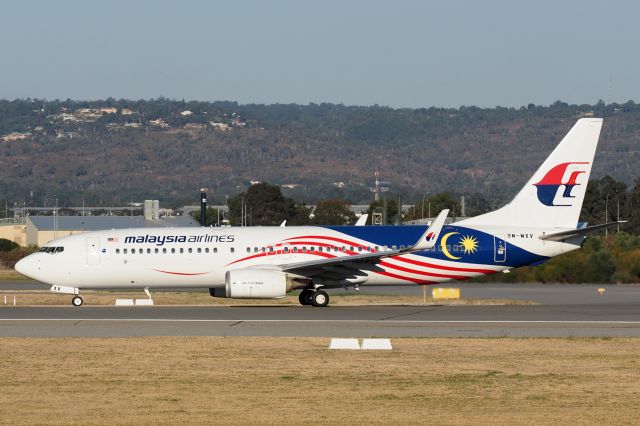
x=379 y=187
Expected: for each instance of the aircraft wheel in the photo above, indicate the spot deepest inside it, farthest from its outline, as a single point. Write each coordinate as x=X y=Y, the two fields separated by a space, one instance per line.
x=305 y=297
x=77 y=301
x=320 y=299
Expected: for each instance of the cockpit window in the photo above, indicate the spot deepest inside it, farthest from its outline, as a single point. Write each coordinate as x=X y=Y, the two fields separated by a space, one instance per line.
x=52 y=250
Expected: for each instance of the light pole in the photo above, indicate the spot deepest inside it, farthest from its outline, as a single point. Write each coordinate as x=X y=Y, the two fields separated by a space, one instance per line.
x=422 y=211
x=55 y=217
x=606 y=215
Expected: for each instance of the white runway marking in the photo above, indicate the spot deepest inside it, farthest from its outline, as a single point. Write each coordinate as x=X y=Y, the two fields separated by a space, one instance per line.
x=327 y=321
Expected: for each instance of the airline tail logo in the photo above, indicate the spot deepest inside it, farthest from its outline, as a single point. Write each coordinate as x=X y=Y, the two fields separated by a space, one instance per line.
x=549 y=184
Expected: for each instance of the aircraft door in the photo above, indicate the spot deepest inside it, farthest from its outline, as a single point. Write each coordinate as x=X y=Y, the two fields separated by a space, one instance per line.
x=93 y=251
x=499 y=250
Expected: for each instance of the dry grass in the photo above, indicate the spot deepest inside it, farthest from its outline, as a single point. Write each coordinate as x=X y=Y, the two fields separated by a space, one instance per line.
x=297 y=380
x=33 y=298
x=11 y=275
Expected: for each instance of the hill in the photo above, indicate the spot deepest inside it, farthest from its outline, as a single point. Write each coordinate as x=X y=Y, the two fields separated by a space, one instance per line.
x=116 y=151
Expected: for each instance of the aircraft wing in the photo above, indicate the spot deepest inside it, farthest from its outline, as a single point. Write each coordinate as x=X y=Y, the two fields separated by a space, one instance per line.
x=349 y=266
x=578 y=232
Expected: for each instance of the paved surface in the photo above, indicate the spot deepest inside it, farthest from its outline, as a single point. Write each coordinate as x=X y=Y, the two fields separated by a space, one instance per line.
x=567 y=310
x=616 y=319
x=548 y=294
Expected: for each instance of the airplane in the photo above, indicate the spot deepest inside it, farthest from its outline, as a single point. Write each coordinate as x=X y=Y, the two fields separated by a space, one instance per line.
x=267 y=262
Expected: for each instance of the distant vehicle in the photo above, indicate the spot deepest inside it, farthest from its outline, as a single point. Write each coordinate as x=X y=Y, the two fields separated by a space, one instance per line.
x=267 y=262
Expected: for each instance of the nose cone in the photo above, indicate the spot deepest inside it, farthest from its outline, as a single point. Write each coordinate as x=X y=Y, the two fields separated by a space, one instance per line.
x=27 y=266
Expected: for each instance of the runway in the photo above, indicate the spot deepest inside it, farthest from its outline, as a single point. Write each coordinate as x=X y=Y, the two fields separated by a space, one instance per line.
x=547 y=294
x=619 y=319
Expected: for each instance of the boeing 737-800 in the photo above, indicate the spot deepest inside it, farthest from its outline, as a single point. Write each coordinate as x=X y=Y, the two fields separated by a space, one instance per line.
x=267 y=262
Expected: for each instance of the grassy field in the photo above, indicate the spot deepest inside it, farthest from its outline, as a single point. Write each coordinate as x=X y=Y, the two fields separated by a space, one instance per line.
x=38 y=298
x=298 y=381
x=12 y=275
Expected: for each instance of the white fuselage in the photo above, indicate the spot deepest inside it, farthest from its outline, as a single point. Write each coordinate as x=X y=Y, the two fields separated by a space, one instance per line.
x=200 y=257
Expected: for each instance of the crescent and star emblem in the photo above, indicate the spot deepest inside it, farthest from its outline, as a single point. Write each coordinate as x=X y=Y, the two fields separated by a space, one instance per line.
x=469 y=245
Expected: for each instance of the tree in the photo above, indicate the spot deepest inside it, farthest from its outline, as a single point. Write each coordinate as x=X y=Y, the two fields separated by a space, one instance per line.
x=604 y=195
x=633 y=210
x=7 y=245
x=212 y=215
x=264 y=204
x=378 y=207
x=333 y=212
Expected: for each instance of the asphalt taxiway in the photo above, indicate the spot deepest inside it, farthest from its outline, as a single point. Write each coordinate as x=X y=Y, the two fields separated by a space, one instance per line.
x=564 y=310
x=622 y=319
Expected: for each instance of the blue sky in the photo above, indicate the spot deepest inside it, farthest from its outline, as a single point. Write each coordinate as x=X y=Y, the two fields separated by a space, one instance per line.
x=401 y=53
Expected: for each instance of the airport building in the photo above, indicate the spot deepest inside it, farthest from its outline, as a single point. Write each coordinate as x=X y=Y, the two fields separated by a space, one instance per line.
x=14 y=230
x=42 y=229
x=38 y=230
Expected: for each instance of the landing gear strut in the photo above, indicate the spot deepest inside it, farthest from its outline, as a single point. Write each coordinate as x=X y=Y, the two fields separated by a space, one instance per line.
x=316 y=298
x=77 y=301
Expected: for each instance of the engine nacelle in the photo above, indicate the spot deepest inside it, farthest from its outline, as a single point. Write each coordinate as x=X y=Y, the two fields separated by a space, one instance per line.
x=253 y=284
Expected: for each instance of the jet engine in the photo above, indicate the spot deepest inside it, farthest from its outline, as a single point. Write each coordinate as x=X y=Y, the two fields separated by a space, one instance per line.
x=254 y=284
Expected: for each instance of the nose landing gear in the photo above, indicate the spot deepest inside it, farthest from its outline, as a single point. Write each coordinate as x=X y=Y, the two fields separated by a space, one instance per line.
x=77 y=300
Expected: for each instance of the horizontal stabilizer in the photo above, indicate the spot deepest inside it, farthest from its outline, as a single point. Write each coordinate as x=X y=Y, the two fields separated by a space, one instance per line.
x=579 y=232
x=362 y=220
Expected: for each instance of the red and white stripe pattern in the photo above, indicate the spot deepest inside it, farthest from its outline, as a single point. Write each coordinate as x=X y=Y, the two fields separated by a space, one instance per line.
x=407 y=268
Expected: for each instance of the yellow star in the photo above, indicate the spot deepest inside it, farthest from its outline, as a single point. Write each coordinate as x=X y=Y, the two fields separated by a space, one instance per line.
x=469 y=244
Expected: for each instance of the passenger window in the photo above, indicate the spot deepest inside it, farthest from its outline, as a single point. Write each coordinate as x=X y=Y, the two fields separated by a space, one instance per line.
x=351 y=248
x=286 y=249
x=125 y=251
x=140 y=251
x=156 y=250
x=164 y=250
x=215 y=249
x=173 y=250
x=248 y=249
x=270 y=249
x=206 y=249
x=117 y=251
x=360 y=248
x=232 y=249
x=199 y=250
x=181 y=250
x=148 y=251
x=313 y=249
x=255 y=249
x=190 y=250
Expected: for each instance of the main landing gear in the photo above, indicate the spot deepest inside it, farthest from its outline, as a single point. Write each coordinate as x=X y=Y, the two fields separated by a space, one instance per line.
x=77 y=300
x=316 y=298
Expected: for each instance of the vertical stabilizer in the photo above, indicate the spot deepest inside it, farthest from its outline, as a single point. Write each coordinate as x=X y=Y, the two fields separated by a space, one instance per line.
x=554 y=194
